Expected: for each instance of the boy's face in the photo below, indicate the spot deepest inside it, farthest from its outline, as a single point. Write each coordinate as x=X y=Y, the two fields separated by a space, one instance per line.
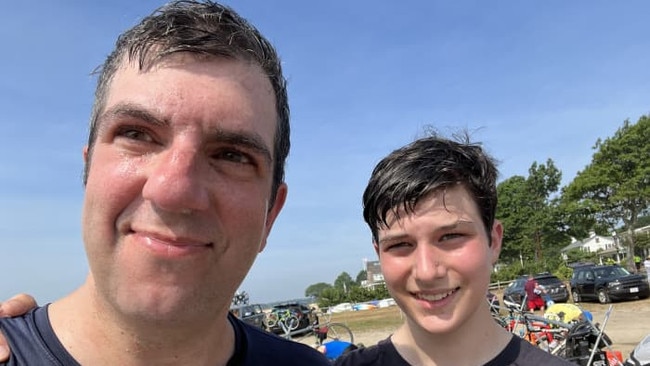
x=437 y=261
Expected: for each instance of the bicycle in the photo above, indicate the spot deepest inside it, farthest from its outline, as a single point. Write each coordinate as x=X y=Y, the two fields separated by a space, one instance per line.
x=578 y=341
x=285 y=319
x=326 y=331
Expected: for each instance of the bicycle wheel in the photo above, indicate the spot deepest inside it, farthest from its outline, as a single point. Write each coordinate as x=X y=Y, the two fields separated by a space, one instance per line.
x=270 y=320
x=291 y=322
x=339 y=332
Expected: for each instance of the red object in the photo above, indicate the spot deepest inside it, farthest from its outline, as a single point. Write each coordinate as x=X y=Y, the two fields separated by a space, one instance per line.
x=614 y=358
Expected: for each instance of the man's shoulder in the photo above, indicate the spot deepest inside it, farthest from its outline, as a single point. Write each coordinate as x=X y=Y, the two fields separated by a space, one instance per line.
x=265 y=348
x=32 y=340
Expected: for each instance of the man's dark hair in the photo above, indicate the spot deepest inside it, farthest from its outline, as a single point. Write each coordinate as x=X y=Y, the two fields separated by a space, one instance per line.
x=429 y=164
x=206 y=29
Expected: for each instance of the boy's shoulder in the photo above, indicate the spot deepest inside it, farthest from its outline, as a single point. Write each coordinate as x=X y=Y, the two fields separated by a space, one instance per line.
x=383 y=353
x=521 y=353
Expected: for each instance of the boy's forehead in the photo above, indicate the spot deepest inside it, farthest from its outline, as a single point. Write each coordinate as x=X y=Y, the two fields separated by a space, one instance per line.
x=447 y=207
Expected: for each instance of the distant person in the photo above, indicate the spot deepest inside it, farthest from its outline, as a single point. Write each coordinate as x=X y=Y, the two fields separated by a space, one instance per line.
x=534 y=294
x=183 y=180
x=430 y=207
x=646 y=265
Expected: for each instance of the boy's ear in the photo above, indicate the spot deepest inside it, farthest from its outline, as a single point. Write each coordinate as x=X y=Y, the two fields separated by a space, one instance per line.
x=376 y=246
x=496 y=236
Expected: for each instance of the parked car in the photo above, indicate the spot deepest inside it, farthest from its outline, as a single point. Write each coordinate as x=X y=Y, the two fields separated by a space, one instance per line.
x=306 y=317
x=250 y=313
x=607 y=283
x=554 y=287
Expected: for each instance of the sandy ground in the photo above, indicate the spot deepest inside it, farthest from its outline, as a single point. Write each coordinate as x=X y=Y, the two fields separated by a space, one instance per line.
x=628 y=324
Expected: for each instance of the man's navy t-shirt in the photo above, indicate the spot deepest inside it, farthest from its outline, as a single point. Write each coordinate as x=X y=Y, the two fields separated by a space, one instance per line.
x=33 y=342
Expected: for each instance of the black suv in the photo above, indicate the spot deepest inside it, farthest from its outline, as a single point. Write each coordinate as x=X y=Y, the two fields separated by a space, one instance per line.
x=554 y=287
x=250 y=313
x=607 y=283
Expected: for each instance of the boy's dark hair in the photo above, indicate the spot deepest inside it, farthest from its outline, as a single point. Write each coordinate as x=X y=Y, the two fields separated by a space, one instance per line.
x=205 y=29
x=429 y=164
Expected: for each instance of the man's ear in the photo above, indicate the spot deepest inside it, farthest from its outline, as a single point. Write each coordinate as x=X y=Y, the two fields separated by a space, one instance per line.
x=376 y=246
x=85 y=154
x=280 y=198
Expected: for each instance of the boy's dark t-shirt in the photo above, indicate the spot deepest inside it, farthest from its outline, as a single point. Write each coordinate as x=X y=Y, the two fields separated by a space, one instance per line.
x=517 y=352
x=33 y=342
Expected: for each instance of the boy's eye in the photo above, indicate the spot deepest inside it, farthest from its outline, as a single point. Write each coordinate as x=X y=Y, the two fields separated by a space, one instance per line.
x=450 y=236
x=395 y=246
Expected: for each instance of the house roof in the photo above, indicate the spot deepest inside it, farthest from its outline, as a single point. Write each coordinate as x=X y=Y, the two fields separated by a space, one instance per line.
x=576 y=244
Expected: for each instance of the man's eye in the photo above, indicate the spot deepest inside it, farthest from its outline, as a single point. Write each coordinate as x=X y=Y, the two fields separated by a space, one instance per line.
x=233 y=156
x=134 y=134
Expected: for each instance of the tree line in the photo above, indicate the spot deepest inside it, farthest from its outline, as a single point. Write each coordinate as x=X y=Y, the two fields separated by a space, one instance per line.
x=611 y=194
x=345 y=289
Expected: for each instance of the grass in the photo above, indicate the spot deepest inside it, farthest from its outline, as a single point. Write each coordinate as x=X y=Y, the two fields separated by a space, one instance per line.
x=370 y=320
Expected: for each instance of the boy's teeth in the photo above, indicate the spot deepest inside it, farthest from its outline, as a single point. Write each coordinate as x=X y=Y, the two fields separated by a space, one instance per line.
x=434 y=297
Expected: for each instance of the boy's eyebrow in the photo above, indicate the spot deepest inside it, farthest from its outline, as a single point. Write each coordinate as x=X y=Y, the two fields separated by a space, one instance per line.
x=250 y=140
x=402 y=235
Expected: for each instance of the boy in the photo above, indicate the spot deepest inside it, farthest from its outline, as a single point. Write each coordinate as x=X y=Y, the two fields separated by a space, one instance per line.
x=430 y=206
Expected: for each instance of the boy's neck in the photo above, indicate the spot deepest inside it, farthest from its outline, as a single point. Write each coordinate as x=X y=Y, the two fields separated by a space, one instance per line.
x=419 y=347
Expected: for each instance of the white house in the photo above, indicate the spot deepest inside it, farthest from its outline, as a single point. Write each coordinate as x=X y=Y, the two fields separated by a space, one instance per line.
x=605 y=246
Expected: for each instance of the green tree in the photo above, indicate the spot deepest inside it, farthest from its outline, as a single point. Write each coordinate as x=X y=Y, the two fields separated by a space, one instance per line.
x=531 y=215
x=344 y=282
x=642 y=221
x=331 y=296
x=615 y=187
x=316 y=289
x=380 y=292
x=361 y=276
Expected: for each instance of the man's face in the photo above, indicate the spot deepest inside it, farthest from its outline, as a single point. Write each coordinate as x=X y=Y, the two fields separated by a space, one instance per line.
x=436 y=261
x=177 y=199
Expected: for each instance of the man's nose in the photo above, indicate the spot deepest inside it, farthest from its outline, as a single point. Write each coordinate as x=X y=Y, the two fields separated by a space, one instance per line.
x=176 y=182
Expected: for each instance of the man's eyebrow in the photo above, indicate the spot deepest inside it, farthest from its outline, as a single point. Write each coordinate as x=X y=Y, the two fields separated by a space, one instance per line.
x=132 y=111
x=246 y=139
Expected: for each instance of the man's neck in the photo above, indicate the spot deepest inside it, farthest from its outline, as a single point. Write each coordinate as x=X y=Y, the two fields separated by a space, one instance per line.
x=94 y=336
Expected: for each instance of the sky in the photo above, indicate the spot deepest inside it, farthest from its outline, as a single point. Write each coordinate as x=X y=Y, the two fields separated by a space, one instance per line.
x=530 y=80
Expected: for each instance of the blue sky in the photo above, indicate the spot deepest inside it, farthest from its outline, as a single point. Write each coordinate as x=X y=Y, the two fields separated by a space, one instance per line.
x=533 y=80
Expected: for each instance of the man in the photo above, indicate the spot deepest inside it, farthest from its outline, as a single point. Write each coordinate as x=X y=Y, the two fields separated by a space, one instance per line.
x=430 y=207
x=534 y=297
x=646 y=265
x=184 y=178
